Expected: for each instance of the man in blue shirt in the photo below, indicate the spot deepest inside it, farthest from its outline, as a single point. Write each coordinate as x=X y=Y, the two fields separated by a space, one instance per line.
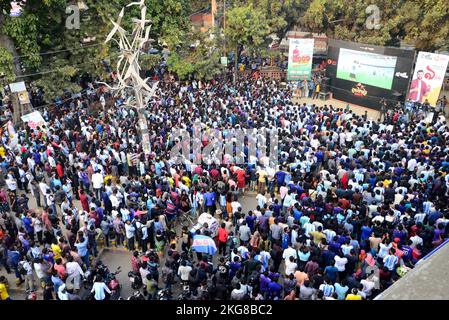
x=274 y=289
x=331 y=271
x=81 y=246
x=280 y=177
x=250 y=220
x=210 y=200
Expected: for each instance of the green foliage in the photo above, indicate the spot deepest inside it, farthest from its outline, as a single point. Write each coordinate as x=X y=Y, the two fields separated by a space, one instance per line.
x=170 y=20
x=24 y=31
x=182 y=67
x=6 y=65
x=197 y=56
x=41 y=28
x=282 y=15
x=246 y=26
x=56 y=83
x=422 y=23
x=149 y=60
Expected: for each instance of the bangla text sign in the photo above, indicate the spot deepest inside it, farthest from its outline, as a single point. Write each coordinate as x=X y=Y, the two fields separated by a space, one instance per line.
x=300 y=55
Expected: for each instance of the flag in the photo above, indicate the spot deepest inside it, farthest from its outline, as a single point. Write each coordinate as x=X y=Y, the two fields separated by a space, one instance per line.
x=13 y=137
x=204 y=244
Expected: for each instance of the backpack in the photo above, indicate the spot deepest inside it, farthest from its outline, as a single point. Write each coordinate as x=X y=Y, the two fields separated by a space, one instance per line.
x=21 y=269
x=139 y=231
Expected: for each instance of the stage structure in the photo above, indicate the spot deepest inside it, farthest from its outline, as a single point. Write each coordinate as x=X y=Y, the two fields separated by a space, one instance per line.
x=363 y=74
x=128 y=68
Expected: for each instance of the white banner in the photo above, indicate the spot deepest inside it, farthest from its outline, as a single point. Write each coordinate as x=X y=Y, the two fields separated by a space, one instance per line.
x=34 y=119
x=428 y=77
x=17 y=87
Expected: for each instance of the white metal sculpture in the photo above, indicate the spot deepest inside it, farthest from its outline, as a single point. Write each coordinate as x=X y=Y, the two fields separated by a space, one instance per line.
x=128 y=67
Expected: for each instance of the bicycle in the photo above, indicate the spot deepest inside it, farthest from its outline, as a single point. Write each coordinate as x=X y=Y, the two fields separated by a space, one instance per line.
x=184 y=219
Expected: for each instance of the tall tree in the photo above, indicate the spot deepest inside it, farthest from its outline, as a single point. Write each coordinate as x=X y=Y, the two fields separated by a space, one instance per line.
x=197 y=56
x=246 y=26
x=422 y=23
x=55 y=57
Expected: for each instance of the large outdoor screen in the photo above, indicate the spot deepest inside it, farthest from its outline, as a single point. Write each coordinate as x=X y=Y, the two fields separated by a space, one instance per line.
x=367 y=68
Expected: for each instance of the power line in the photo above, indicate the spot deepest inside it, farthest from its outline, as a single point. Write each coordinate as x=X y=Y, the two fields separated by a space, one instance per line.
x=60 y=68
x=58 y=51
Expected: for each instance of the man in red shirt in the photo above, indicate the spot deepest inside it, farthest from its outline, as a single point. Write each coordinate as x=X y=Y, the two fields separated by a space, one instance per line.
x=222 y=239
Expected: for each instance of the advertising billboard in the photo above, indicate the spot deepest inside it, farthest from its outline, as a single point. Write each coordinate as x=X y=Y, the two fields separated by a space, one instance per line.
x=300 y=56
x=428 y=77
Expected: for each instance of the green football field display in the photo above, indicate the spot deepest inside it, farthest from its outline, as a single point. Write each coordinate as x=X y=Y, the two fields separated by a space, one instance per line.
x=367 y=68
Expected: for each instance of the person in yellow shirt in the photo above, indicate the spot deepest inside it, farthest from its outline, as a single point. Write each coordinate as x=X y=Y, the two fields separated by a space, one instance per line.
x=56 y=249
x=2 y=151
x=4 y=295
x=171 y=182
x=107 y=179
x=353 y=295
x=186 y=180
x=318 y=235
x=262 y=180
x=387 y=182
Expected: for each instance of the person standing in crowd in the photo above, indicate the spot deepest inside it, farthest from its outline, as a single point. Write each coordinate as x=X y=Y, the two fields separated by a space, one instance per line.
x=340 y=197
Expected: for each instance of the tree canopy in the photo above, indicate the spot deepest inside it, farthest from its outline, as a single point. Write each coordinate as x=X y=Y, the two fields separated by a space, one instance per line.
x=37 y=47
x=421 y=23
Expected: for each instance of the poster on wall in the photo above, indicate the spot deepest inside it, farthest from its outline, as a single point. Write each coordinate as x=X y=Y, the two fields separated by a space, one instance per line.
x=300 y=55
x=24 y=98
x=428 y=77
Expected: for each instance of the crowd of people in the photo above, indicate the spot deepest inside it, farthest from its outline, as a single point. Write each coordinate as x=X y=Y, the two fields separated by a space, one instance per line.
x=353 y=204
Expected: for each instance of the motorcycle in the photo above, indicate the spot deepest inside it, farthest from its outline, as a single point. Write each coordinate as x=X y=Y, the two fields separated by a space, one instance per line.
x=137 y=295
x=113 y=284
x=135 y=279
x=109 y=278
x=164 y=294
x=98 y=270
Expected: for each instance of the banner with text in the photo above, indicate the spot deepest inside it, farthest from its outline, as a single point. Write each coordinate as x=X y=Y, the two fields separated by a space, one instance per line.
x=428 y=77
x=300 y=55
x=34 y=119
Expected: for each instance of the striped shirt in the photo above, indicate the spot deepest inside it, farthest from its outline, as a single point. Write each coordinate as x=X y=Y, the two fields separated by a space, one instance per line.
x=390 y=262
x=359 y=176
x=327 y=289
x=134 y=158
x=427 y=205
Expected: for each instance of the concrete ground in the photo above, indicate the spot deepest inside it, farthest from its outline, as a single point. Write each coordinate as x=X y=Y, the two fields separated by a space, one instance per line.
x=372 y=114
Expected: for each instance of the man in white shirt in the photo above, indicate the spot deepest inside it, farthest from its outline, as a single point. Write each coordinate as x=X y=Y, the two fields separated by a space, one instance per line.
x=29 y=275
x=11 y=183
x=74 y=273
x=289 y=252
x=114 y=199
x=44 y=188
x=340 y=263
x=184 y=271
x=100 y=289
x=130 y=231
x=287 y=203
x=261 y=200
x=97 y=183
x=416 y=240
x=62 y=293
